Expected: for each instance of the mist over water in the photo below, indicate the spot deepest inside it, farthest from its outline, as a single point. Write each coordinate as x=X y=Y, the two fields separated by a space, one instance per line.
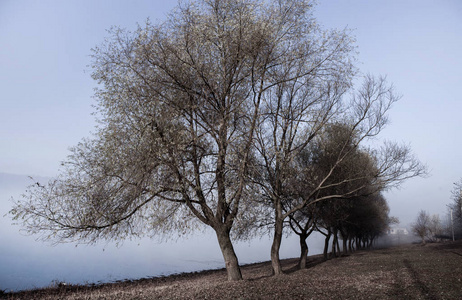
x=26 y=263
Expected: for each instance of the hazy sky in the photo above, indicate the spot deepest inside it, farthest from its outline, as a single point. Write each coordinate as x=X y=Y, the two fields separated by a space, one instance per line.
x=46 y=89
x=418 y=45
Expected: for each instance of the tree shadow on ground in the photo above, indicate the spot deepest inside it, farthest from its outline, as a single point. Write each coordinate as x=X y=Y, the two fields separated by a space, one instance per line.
x=310 y=263
x=289 y=266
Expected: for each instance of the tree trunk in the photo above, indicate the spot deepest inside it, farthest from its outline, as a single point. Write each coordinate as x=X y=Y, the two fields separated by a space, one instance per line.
x=337 y=243
x=345 y=247
x=335 y=247
x=275 y=261
x=277 y=238
x=303 y=251
x=227 y=249
x=350 y=244
x=333 y=250
x=326 y=245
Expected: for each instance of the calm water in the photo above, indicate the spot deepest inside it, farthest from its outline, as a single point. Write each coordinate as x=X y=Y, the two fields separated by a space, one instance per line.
x=25 y=263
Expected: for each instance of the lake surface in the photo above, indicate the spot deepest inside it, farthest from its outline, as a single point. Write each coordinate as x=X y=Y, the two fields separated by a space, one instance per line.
x=26 y=263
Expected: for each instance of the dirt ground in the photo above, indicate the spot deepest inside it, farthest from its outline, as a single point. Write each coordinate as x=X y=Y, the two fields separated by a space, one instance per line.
x=433 y=271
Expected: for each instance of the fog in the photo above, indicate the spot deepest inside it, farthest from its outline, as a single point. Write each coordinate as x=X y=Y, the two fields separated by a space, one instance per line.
x=27 y=263
x=46 y=107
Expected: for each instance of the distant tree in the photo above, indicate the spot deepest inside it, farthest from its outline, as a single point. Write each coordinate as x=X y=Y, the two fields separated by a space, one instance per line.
x=368 y=220
x=421 y=227
x=359 y=221
x=456 y=208
x=435 y=229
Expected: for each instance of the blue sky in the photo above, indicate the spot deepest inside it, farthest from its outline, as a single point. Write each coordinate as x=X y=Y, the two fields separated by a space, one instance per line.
x=46 y=89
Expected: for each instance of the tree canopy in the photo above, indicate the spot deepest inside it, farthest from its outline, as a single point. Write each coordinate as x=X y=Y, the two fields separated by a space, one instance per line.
x=205 y=114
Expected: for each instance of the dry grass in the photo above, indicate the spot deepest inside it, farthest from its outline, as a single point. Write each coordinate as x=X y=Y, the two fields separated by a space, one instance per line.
x=433 y=271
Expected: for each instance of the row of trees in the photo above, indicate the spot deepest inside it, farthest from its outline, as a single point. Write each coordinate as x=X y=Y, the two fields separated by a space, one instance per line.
x=348 y=206
x=237 y=115
x=357 y=221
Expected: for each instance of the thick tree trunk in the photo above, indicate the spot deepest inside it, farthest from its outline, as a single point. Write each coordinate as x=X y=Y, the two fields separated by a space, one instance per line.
x=227 y=249
x=275 y=262
x=303 y=251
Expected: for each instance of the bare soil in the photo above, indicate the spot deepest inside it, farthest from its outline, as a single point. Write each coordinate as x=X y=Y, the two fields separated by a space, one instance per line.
x=433 y=271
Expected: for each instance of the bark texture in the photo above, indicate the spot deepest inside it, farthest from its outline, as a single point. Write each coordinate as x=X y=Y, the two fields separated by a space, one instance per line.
x=303 y=252
x=275 y=262
x=229 y=255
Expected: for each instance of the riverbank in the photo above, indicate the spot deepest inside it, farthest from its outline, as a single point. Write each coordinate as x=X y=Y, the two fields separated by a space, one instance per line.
x=433 y=271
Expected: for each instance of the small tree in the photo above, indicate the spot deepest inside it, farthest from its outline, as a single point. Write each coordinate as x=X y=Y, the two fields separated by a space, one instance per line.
x=436 y=228
x=456 y=208
x=421 y=227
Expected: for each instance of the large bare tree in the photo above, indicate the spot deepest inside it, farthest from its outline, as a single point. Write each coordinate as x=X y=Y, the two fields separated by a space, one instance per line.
x=198 y=114
x=180 y=105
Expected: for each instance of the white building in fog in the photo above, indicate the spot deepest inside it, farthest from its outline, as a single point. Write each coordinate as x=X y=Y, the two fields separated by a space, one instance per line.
x=398 y=231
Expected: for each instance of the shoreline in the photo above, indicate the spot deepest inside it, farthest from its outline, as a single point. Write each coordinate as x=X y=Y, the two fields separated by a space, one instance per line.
x=403 y=272
x=160 y=279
